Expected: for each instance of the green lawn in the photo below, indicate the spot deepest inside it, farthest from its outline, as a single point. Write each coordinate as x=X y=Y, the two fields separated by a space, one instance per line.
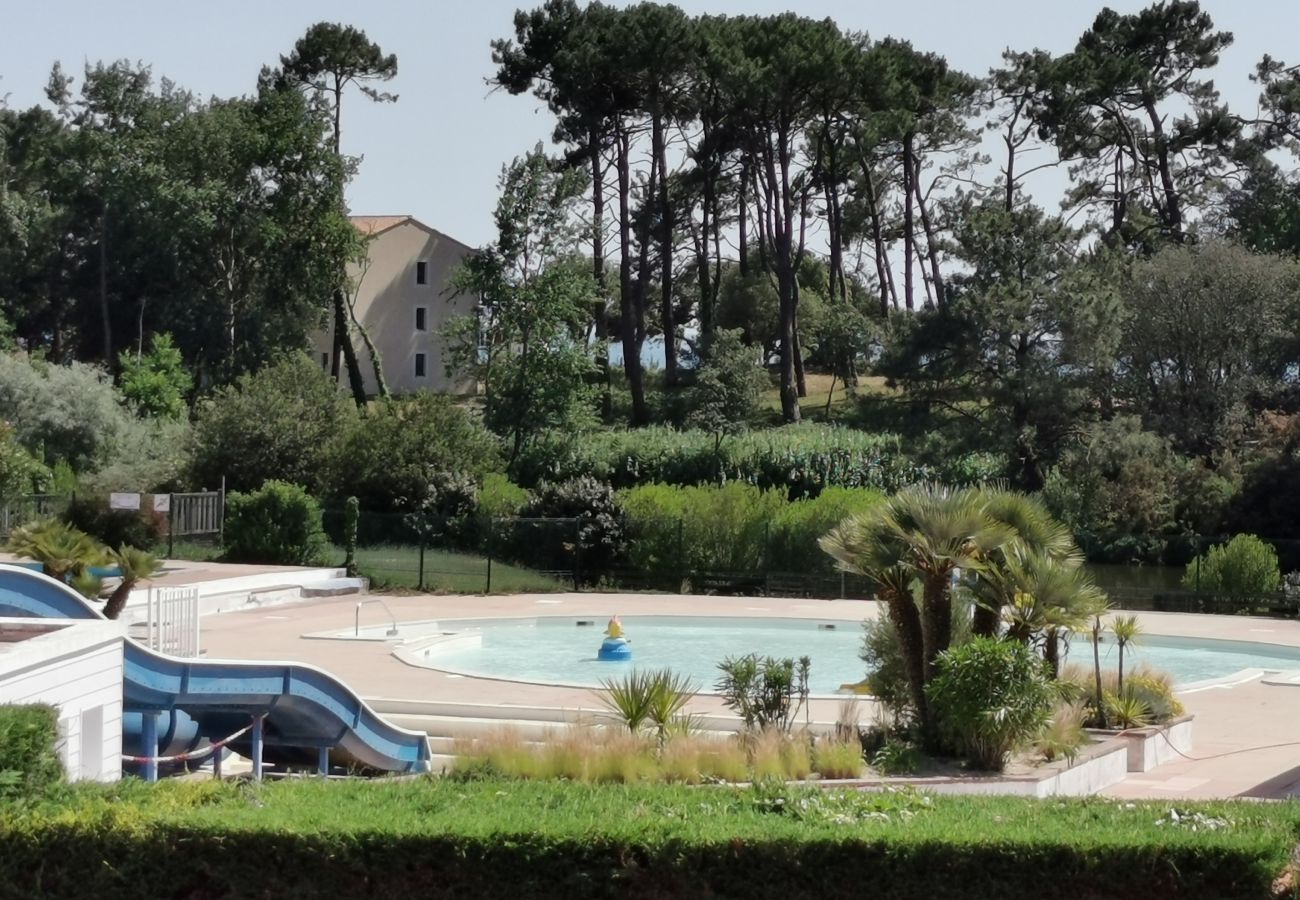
x=440 y=838
x=447 y=572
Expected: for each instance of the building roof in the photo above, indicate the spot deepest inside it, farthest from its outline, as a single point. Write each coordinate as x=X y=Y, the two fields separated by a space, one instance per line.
x=372 y=225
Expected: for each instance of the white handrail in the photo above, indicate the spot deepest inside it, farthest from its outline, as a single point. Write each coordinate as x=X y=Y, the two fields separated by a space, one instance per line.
x=356 y=630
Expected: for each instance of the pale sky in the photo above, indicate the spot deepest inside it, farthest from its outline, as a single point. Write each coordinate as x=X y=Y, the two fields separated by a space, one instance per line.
x=437 y=152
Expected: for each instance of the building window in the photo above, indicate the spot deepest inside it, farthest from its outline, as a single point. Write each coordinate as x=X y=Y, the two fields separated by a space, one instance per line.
x=421 y=323
x=419 y=365
x=324 y=360
x=422 y=272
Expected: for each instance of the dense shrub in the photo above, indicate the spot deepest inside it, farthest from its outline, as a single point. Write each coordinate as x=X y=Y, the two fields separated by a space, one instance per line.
x=594 y=539
x=1244 y=567
x=276 y=423
x=155 y=383
x=116 y=528
x=518 y=840
x=149 y=455
x=800 y=459
x=701 y=528
x=990 y=698
x=733 y=527
x=61 y=413
x=797 y=526
x=728 y=385
x=29 y=761
x=384 y=456
x=277 y=524
x=20 y=471
x=499 y=498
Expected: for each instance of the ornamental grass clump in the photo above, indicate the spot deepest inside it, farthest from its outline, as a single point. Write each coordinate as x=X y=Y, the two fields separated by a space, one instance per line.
x=838 y=757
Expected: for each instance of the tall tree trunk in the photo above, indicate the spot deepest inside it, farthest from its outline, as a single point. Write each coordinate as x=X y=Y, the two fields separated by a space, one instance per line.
x=801 y=382
x=742 y=219
x=884 y=273
x=781 y=213
x=627 y=304
x=909 y=237
x=931 y=245
x=105 y=319
x=598 y=273
x=376 y=363
x=665 y=232
x=342 y=337
x=1172 y=208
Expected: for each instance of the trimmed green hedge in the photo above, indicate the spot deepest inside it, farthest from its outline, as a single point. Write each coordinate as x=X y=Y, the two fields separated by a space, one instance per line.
x=29 y=763
x=517 y=840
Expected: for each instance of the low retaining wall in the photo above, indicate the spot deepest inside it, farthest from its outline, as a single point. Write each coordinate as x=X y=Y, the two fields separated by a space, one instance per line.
x=1153 y=745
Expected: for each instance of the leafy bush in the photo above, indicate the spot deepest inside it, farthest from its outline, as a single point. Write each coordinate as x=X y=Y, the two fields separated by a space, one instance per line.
x=29 y=761
x=699 y=528
x=896 y=757
x=20 y=471
x=277 y=423
x=794 y=532
x=798 y=459
x=116 y=527
x=277 y=524
x=728 y=384
x=764 y=691
x=61 y=413
x=990 y=697
x=155 y=383
x=384 y=456
x=150 y=455
x=1244 y=567
x=593 y=541
x=886 y=673
x=499 y=498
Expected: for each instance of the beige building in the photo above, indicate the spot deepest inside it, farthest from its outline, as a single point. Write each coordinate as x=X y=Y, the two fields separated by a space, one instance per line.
x=403 y=296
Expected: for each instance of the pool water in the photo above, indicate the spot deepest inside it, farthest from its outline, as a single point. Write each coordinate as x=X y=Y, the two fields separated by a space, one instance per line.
x=560 y=650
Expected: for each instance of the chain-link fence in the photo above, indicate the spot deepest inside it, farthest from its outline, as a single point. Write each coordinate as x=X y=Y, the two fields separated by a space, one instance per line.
x=475 y=554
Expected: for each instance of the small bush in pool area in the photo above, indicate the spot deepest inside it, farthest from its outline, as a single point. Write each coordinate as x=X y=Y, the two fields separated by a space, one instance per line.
x=277 y=524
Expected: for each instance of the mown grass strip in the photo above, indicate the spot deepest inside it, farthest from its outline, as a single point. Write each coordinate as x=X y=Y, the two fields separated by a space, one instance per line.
x=516 y=840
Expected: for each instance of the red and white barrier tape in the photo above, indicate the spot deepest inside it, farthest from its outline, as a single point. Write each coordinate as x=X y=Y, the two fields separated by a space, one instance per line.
x=193 y=754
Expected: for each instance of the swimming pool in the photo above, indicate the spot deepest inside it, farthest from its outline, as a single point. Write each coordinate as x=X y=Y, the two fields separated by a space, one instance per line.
x=562 y=649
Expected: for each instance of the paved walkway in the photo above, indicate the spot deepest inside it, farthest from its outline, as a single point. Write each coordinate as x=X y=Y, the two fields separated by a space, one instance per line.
x=1246 y=739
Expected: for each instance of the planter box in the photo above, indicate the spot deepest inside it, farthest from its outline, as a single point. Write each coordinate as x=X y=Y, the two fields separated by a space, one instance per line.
x=1096 y=768
x=1154 y=745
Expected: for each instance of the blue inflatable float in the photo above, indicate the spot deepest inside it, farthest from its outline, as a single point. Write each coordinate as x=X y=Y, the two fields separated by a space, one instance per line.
x=614 y=650
x=616 y=647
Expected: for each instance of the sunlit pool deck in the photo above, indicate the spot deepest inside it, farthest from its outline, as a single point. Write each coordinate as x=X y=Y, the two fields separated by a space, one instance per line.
x=1234 y=717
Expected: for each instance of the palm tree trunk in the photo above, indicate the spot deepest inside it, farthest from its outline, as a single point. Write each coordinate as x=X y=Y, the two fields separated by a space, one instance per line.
x=984 y=622
x=911 y=641
x=117 y=600
x=937 y=618
x=1052 y=651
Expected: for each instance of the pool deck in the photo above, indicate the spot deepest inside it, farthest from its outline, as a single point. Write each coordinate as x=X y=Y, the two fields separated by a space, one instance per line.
x=1246 y=738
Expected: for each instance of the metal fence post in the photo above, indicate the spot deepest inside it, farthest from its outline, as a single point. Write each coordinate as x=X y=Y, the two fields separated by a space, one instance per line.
x=577 y=554
x=221 y=516
x=681 y=554
x=419 y=578
x=487 y=551
x=171 y=525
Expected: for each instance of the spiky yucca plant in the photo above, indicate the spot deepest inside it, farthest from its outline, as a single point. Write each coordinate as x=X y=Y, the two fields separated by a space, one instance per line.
x=63 y=551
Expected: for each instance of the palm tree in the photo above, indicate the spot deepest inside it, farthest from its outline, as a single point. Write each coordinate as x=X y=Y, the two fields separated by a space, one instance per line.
x=1127 y=631
x=63 y=551
x=1052 y=597
x=135 y=566
x=922 y=535
x=1098 y=628
x=1037 y=535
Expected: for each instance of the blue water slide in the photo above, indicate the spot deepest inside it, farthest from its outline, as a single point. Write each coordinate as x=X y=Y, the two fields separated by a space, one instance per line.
x=306 y=708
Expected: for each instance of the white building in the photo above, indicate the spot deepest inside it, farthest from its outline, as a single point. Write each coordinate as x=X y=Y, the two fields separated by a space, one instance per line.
x=403 y=296
x=76 y=667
